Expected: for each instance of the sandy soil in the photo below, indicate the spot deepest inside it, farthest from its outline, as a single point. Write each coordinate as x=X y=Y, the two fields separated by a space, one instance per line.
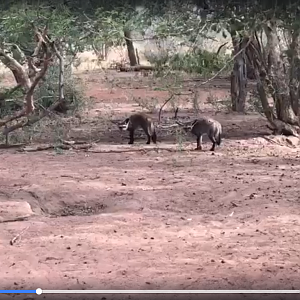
x=154 y=219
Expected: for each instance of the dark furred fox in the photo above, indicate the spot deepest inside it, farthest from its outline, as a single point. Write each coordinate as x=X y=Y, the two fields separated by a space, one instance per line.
x=202 y=126
x=139 y=120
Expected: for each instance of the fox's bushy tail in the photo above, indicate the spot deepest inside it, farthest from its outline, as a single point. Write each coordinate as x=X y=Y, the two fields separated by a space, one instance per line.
x=152 y=132
x=219 y=138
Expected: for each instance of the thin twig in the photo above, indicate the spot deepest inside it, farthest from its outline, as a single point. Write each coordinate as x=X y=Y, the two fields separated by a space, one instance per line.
x=230 y=60
x=169 y=99
x=210 y=79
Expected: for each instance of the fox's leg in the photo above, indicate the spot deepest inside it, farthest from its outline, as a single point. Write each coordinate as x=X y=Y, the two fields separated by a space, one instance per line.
x=131 y=137
x=148 y=139
x=146 y=130
x=213 y=140
x=199 y=142
x=154 y=137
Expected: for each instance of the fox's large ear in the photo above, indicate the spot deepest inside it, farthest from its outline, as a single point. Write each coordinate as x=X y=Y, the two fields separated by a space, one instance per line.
x=126 y=121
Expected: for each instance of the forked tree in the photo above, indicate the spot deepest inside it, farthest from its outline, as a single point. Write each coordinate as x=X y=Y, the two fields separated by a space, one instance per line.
x=28 y=72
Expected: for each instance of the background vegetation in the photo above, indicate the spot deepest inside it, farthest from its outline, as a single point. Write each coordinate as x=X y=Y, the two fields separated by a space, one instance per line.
x=263 y=38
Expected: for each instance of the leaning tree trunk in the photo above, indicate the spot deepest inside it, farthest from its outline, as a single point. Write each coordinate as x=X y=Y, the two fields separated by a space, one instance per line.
x=239 y=76
x=268 y=79
x=130 y=48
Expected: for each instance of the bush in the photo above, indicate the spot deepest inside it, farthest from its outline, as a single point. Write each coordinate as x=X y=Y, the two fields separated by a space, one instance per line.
x=201 y=62
x=47 y=92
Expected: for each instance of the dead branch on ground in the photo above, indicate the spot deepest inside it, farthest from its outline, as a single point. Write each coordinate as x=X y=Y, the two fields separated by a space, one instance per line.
x=137 y=68
x=18 y=236
x=144 y=150
x=63 y=146
x=87 y=148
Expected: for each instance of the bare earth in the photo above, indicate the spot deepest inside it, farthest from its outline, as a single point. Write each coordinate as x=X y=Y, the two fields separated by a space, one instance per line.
x=153 y=219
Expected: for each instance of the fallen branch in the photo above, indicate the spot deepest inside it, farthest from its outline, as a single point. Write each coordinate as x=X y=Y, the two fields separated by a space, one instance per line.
x=145 y=150
x=281 y=128
x=73 y=142
x=16 y=116
x=18 y=236
x=45 y=147
x=6 y=146
x=14 y=127
x=18 y=219
x=30 y=121
x=136 y=68
x=59 y=146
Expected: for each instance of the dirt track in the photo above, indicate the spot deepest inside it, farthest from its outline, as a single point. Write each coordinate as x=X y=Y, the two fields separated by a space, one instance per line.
x=155 y=219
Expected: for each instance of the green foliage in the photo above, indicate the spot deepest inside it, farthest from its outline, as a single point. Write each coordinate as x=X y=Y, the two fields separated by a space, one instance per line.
x=63 y=26
x=12 y=100
x=47 y=92
x=107 y=26
x=202 y=62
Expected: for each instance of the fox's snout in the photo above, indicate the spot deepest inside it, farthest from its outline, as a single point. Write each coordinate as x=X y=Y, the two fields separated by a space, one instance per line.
x=122 y=127
x=187 y=128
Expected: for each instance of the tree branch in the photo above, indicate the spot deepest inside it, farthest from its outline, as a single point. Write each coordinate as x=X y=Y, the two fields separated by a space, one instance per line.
x=26 y=82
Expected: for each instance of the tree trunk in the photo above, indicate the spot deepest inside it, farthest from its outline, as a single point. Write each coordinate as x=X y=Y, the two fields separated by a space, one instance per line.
x=105 y=49
x=130 y=48
x=294 y=75
x=239 y=76
x=269 y=80
x=137 y=56
x=256 y=58
x=278 y=77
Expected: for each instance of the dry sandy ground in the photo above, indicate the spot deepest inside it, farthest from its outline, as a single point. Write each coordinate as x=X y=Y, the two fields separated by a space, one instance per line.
x=156 y=219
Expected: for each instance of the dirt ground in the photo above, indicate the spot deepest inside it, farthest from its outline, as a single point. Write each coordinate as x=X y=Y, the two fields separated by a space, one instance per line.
x=167 y=217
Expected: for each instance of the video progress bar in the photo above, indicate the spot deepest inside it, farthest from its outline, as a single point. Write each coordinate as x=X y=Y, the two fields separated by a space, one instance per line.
x=39 y=291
